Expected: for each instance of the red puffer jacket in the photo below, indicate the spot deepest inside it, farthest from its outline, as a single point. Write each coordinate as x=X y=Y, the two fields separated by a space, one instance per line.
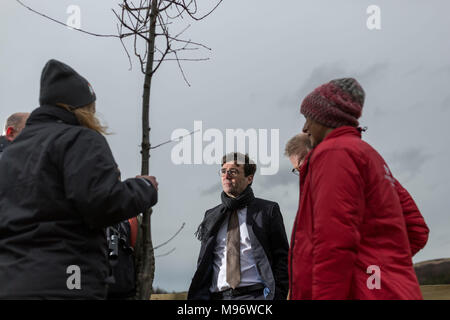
x=415 y=224
x=351 y=222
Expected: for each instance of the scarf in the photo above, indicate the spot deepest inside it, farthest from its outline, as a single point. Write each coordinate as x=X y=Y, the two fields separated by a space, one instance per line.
x=215 y=218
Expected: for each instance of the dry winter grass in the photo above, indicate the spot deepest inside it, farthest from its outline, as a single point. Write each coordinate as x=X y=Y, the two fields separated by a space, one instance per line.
x=432 y=292
x=170 y=296
x=436 y=292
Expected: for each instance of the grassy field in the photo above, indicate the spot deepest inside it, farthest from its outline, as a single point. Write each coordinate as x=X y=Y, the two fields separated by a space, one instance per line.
x=436 y=292
x=432 y=292
x=170 y=296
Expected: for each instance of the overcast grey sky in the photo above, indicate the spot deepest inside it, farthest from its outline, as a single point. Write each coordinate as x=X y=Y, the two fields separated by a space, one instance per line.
x=266 y=57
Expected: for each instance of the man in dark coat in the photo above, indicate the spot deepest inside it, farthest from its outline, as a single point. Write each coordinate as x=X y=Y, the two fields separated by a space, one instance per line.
x=244 y=247
x=59 y=189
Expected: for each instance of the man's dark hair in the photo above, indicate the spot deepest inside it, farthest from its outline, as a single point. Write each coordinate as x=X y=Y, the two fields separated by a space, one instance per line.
x=239 y=159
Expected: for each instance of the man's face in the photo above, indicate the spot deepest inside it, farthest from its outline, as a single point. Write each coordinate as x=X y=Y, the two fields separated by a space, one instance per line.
x=297 y=160
x=233 y=179
x=316 y=132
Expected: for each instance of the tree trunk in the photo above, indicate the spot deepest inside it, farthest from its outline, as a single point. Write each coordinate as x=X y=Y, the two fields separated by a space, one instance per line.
x=145 y=257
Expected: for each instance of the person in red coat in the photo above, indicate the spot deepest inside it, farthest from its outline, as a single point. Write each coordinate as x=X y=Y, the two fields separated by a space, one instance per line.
x=356 y=228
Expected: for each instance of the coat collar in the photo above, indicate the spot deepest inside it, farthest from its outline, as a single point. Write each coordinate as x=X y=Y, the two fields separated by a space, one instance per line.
x=251 y=209
x=341 y=131
x=338 y=132
x=303 y=170
x=49 y=113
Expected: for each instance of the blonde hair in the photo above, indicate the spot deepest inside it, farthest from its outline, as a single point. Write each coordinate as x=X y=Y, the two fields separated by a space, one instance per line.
x=86 y=116
x=298 y=145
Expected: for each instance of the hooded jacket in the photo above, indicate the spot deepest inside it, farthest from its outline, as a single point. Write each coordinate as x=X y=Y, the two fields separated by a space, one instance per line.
x=59 y=188
x=350 y=239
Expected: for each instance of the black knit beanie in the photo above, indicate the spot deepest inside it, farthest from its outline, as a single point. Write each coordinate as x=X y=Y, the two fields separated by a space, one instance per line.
x=61 y=84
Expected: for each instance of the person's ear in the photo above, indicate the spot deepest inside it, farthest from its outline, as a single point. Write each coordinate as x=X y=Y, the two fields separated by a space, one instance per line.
x=10 y=132
x=250 y=179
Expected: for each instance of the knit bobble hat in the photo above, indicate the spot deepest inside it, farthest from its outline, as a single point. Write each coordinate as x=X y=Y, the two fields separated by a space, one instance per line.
x=335 y=104
x=61 y=84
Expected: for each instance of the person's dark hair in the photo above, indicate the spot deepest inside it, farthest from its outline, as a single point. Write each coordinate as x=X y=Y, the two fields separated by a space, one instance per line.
x=241 y=159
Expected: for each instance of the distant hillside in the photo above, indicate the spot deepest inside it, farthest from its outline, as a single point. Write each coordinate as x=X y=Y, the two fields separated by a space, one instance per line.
x=433 y=271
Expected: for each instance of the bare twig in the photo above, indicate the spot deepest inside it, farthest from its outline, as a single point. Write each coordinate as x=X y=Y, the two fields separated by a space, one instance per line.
x=190 y=42
x=174 y=140
x=165 y=254
x=122 y=21
x=181 y=70
x=126 y=51
x=66 y=25
x=194 y=60
x=191 y=12
x=166 y=242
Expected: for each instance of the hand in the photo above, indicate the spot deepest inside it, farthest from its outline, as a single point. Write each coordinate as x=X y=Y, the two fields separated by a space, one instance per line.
x=151 y=179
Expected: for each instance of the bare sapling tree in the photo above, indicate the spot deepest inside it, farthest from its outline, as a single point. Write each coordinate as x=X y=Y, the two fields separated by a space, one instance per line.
x=149 y=20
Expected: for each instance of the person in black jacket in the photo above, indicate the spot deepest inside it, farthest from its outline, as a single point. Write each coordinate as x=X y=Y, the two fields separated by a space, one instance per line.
x=244 y=248
x=59 y=189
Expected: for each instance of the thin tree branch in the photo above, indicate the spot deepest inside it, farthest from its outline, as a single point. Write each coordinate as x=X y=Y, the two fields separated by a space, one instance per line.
x=126 y=51
x=66 y=25
x=189 y=42
x=166 y=33
x=185 y=59
x=181 y=70
x=164 y=243
x=165 y=254
x=174 y=140
x=192 y=13
x=122 y=21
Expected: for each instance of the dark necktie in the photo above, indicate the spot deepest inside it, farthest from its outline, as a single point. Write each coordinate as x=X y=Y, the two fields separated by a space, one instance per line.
x=233 y=251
